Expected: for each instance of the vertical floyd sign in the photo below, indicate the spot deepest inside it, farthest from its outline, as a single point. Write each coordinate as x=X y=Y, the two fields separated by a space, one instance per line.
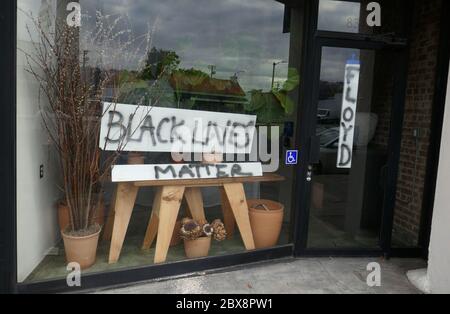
x=348 y=115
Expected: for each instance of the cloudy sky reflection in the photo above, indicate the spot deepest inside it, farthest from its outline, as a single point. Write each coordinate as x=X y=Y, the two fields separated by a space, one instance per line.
x=233 y=35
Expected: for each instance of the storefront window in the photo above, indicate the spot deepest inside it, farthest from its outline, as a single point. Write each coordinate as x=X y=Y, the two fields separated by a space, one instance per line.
x=81 y=62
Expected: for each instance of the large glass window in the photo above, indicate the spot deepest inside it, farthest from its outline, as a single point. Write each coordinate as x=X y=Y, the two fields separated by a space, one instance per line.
x=192 y=56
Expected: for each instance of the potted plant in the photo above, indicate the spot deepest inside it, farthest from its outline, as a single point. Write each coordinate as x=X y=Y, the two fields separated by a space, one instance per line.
x=197 y=236
x=72 y=114
x=64 y=214
x=266 y=219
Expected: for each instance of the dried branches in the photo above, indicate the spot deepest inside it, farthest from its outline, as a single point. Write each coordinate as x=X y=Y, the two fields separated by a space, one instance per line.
x=74 y=91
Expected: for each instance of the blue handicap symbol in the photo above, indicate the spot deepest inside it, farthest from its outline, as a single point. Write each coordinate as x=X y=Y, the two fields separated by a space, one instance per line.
x=291 y=157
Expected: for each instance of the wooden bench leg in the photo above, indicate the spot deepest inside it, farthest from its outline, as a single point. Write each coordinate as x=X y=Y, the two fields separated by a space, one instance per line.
x=152 y=227
x=107 y=232
x=124 y=204
x=170 y=202
x=238 y=203
x=194 y=200
x=228 y=217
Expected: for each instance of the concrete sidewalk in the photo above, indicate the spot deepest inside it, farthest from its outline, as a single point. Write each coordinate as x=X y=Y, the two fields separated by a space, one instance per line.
x=299 y=276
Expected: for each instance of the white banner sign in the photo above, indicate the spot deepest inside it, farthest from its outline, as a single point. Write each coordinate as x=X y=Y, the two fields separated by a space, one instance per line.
x=348 y=115
x=132 y=173
x=156 y=129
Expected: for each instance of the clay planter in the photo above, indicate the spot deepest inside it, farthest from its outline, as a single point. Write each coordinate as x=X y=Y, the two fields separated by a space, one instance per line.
x=176 y=235
x=64 y=215
x=197 y=248
x=266 y=219
x=81 y=250
x=136 y=158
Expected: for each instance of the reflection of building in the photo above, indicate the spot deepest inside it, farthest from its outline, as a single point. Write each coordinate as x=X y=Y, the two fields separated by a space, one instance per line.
x=198 y=91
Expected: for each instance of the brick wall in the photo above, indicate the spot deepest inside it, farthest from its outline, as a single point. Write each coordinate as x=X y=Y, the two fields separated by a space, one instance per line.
x=418 y=110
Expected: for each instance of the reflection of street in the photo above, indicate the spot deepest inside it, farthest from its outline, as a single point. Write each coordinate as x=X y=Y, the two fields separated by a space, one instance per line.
x=329 y=110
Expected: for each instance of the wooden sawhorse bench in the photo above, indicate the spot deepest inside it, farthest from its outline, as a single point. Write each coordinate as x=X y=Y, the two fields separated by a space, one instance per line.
x=166 y=206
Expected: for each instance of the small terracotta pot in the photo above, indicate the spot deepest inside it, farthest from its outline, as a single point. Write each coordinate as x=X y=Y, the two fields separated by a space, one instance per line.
x=266 y=222
x=212 y=158
x=64 y=215
x=197 y=248
x=136 y=158
x=176 y=235
x=81 y=250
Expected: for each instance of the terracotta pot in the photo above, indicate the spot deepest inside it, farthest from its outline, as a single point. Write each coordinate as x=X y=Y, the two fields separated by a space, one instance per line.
x=81 y=250
x=212 y=158
x=197 y=248
x=136 y=158
x=64 y=215
x=176 y=235
x=266 y=222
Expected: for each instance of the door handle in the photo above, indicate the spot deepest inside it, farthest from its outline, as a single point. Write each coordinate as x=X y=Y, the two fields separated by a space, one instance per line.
x=309 y=173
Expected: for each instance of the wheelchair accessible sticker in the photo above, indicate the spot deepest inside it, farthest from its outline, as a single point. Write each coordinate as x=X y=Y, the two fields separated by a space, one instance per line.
x=292 y=157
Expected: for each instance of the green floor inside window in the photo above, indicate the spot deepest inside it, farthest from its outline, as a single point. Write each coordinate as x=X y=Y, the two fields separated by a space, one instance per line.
x=54 y=265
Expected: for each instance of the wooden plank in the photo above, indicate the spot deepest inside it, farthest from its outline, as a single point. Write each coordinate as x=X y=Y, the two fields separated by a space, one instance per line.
x=192 y=171
x=270 y=177
x=107 y=233
x=125 y=198
x=228 y=217
x=171 y=197
x=238 y=203
x=152 y=228
x=194 y=200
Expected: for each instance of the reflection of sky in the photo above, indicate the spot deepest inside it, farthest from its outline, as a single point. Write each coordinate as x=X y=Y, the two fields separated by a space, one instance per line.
x=233 y=35
x=334 y=61
x=333 y=16
x=339 y=16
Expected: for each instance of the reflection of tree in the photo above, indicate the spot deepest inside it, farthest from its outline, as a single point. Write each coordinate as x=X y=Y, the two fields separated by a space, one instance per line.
x=196 y=89
x=328 y=90
x=276 y=105
x=151 y=83
x=159 y=63
x=182 y=88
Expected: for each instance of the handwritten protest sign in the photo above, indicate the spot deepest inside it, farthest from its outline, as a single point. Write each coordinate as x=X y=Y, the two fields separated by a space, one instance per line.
x=156 y=129
x=348 y=115
x=127 y=173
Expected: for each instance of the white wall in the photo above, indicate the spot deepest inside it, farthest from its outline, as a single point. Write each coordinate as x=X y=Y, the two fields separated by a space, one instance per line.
x=439 y=261
x=37 y=229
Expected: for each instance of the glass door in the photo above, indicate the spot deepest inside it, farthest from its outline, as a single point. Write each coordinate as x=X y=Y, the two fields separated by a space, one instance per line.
x=349 y=155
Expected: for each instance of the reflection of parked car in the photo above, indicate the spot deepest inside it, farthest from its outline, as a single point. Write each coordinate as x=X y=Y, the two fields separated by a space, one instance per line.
x=323 y=114
x=329 y=111
x=328 y=132
x=329 y=138
x=329 y=142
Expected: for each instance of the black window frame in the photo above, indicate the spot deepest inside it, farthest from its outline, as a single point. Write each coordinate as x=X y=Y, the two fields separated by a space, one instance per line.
x=8 y=263
x=316 y=39
x=8 y=193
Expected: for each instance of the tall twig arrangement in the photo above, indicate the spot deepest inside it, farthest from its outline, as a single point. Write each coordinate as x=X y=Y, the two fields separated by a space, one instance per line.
x=73 y=110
